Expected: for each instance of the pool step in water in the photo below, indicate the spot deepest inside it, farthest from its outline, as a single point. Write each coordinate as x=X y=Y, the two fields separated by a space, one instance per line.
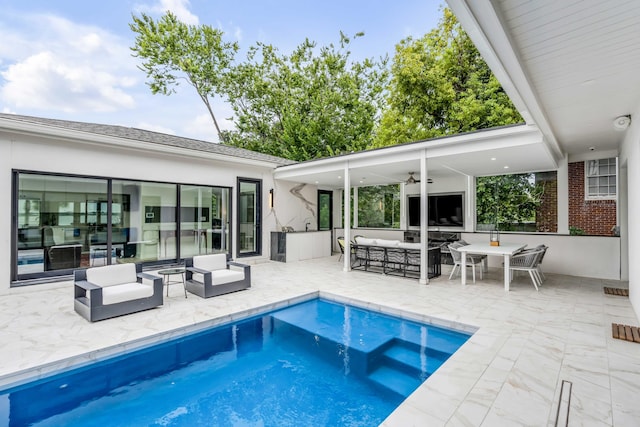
x=413 y=359
x=403 y=366
x=395 y=380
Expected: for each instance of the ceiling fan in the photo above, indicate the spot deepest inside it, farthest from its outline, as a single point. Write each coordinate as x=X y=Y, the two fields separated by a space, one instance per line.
x=413 y=180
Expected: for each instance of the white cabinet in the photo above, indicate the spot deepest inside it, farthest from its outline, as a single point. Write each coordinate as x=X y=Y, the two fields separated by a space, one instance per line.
x=301 y=246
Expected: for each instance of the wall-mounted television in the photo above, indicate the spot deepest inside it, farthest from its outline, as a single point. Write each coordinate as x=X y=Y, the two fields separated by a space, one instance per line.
x=445 y=210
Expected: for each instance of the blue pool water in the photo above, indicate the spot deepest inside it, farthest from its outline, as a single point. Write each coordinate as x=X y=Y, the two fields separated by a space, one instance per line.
x=317 y=363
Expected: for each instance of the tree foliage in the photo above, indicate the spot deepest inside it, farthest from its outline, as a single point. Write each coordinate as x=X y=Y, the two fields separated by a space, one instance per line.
x=315 y=102
x=440 y=85
x=506 y=200
x=172 y=51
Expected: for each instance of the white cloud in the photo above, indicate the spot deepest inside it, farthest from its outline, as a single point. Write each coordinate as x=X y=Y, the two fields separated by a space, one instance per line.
x=237 y=33
x=46 y=81
x=231 y=28
x=65 y=66
x=201 y=126
x=180 y=8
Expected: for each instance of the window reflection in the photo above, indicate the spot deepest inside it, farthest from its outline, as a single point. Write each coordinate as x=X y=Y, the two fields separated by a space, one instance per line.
x=58 y=218
x=204 y=220
x=148 y=231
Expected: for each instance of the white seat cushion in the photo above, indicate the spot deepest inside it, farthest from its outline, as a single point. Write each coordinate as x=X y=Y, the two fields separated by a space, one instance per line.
x=125 y=292
x=365 y=241
x=111 y=275
x=388 y=243
x=211 y=262
x=220 y=277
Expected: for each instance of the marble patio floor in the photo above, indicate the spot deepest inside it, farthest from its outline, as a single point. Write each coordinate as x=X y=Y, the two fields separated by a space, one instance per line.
x=508 y=373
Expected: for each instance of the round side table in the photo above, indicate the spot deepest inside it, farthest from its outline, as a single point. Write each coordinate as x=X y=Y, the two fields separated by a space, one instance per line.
x=167 y=273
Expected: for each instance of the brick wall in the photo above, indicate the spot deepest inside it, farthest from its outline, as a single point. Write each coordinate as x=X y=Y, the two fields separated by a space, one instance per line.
x=594 y=217
x=547 y=212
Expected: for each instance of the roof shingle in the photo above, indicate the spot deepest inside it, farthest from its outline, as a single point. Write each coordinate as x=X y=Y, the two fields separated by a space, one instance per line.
x=152 y=137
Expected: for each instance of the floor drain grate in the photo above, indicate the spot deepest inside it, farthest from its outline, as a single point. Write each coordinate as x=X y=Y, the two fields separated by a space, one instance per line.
x=564 y=404
x=616 y=291
x=626 y=332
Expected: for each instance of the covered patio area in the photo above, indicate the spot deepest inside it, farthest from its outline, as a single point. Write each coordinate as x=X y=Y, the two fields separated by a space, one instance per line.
x=509 y=372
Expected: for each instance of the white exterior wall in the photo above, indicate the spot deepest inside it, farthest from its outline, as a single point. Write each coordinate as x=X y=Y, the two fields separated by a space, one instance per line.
x=28 y=153
x=630 y=162
x=582 y=256
x=294 y=206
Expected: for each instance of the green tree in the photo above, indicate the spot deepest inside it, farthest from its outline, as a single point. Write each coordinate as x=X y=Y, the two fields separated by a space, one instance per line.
x=172 y=50
x=309 y=104
x=506 y=200
x=440 y=85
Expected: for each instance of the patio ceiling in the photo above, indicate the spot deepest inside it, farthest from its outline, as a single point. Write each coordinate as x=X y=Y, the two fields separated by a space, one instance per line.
x=570 y=67
x=519 y=148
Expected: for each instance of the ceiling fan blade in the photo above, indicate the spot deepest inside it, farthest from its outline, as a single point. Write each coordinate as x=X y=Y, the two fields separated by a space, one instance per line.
x=413 y=180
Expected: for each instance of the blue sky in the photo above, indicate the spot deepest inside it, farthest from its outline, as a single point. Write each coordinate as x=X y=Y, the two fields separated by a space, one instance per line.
x=70 y=59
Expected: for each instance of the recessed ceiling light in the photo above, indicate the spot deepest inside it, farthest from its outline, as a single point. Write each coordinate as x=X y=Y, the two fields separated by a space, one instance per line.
x=493 y=158
x=339 y=177
x=316 y=182
x=506 y=167
x=361 y=181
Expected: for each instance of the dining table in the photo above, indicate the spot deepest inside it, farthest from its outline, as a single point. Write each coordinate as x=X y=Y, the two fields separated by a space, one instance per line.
x=506 y=250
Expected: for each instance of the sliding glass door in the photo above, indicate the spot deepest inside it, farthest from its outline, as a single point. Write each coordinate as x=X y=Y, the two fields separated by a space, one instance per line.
x=62 y=223
x=204 y=214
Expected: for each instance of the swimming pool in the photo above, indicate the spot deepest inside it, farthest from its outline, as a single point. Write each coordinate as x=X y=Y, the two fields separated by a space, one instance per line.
x=314 y=363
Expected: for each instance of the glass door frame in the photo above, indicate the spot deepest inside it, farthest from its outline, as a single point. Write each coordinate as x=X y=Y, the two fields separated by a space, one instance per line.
x=258 y=217
x=330 y=194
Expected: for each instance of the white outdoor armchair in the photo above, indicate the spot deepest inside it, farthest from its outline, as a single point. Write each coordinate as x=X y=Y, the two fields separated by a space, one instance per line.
x=529 y=260
x=472 y=261
x=115 y=290
x=212 y=275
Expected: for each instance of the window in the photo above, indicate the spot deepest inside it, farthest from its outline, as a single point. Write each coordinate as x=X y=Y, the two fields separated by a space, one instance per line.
x=518 y=202
x=325 y=209
x=601 y=178
x=379 y=206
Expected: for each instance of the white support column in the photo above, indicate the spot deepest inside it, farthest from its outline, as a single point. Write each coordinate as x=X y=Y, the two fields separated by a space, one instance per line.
x=470 y=205
x=404 y=223
x=563 y=196
x=355 y=206
x=424 y=223
x=346 y=220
